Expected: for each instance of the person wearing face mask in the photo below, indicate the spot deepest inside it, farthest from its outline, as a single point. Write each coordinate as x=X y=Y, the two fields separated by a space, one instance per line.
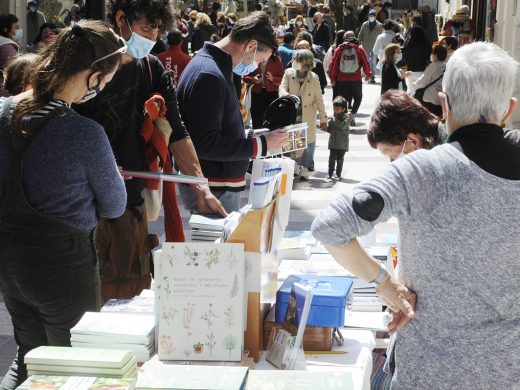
x=455 y=204
x=321 y=32
x=119 y=109
x=430 y=81
x=298 y=26
x=367 y=38
x=35 y=19
x=210 y=108
x=391 y=76
x=299 y=80
x=400 y=125
x=383 y=39
x=350 y=22
x=58 y=176
x=9 y=32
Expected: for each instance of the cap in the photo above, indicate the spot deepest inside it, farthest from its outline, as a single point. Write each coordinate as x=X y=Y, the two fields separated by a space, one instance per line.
x=372 y=12
x=33 y=2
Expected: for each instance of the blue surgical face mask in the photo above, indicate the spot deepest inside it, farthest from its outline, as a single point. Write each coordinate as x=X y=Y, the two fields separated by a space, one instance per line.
x=242 y=69
x=18 y=34
x=138 y=46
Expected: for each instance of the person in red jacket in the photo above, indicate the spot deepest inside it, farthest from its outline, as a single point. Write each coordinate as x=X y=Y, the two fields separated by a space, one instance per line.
x=345 y=72
x=265 y=80
x=174 y=59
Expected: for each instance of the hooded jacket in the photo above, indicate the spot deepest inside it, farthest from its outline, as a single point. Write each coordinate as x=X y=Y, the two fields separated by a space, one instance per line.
x=334 y=72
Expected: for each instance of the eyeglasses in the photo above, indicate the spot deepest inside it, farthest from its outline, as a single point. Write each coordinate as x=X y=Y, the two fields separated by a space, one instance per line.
x=121 y=50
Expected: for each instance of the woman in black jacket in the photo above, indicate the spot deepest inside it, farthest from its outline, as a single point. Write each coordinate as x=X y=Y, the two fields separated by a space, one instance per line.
x=391 y=76
x=202 y=32
x=416 y=51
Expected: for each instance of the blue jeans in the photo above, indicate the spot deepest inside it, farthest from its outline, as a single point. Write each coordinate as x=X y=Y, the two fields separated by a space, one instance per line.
x=307 y=160
x=230 y=200
x=372 y=59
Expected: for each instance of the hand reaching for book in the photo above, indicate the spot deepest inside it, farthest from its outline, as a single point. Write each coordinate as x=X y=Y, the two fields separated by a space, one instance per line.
x=400 y=300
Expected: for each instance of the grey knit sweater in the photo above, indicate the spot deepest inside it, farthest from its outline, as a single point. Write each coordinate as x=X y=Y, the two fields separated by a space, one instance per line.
x=459 y=252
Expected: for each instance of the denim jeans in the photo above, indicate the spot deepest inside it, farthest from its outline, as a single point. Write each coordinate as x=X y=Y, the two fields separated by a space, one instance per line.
x=307 y=160
x=47 y=287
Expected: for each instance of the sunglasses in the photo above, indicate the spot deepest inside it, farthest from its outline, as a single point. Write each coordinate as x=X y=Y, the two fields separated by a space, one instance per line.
x=121 y=50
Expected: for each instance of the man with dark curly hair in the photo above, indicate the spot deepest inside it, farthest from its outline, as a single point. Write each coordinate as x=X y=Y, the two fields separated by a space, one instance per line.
x=119 y=109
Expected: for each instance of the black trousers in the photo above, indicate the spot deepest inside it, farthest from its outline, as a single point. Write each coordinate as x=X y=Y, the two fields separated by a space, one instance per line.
x=336 y=158
x=352 y=91
x=47 y=287
x=259 y=103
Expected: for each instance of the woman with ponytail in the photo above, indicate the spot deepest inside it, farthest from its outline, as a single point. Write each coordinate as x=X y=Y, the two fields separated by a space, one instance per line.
x=58 y=175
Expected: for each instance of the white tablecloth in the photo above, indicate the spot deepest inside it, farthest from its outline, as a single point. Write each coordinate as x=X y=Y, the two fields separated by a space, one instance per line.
x=358 y=359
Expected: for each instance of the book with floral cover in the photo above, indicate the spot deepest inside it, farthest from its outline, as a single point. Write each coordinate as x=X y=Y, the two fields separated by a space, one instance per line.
x=201 y=301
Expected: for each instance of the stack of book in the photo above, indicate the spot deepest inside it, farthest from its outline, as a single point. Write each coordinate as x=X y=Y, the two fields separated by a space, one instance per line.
x=134 y=332
x=141 y=304
x=206 y=227
x=50 y=382
x=93 y=362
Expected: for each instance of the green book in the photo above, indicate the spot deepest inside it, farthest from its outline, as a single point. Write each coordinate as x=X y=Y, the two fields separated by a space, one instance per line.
x=76 y=383
x=192 y=377
x=303 y=380
x=85 y=357
x=72 y=369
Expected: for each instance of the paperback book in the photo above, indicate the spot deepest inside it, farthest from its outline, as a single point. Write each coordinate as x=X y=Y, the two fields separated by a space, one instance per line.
x=200 y=301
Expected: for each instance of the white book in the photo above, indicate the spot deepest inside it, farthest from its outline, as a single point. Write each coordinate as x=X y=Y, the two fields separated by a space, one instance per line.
x=87 y=357
x=366 y=320
x=205 y=222
x=192 y=377
x=111 y=341
x=129 y=327
x=200 y=301
x=136 y=305
x=142 y=354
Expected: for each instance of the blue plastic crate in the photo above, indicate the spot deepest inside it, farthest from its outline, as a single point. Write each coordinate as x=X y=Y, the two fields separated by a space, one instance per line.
x=330 y=296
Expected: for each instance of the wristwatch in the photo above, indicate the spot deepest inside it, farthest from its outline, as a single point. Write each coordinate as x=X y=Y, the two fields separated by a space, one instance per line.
x=379 y=279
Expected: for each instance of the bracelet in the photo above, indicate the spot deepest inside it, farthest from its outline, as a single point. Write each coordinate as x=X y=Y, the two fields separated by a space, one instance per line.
x=379 y=279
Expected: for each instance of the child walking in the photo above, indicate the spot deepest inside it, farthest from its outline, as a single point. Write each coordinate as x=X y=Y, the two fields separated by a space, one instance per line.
x=339 y=130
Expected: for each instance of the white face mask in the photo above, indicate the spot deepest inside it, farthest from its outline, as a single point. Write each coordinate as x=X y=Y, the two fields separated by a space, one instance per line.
x=402 y=154
x=299 y=23
x=372 y=19
x=296 y=66
x=33 y=9
x=398 y=57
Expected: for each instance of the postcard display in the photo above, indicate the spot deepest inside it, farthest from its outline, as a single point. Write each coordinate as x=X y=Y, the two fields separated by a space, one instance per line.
x=200 y=294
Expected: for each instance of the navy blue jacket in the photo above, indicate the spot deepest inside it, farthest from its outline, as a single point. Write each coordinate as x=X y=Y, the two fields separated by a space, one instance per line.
x=210 y=109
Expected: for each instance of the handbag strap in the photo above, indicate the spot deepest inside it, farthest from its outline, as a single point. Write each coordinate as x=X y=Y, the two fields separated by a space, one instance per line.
x=434 y=81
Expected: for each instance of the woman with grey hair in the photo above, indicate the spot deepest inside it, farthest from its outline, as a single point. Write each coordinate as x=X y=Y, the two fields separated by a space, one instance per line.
x=299 y=80
x=454 y=298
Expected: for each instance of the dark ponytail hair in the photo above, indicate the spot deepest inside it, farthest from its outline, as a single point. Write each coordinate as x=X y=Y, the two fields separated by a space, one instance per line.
x=72 y=51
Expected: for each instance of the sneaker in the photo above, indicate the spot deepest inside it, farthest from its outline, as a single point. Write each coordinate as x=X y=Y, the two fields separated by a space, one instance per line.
x=352 y=120
x=296 y=170
x=337 y=177
x=372 y=81
x=329 y=177
x=311 y=169
x=304 y=173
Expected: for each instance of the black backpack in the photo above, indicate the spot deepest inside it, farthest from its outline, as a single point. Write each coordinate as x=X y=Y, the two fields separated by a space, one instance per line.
x=282 y=112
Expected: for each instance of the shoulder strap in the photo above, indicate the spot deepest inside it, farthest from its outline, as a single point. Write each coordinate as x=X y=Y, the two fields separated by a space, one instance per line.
x=60 y=112
x=434 y=81
x=149 y=79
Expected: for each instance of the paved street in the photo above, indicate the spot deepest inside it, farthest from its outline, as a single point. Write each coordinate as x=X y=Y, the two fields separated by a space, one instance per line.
x=308 y=198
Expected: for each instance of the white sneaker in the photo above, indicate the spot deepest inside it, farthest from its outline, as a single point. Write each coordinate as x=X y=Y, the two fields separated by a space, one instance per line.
x=304 y=173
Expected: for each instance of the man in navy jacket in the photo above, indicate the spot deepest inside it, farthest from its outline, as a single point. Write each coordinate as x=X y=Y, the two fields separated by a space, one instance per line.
x=210 y=108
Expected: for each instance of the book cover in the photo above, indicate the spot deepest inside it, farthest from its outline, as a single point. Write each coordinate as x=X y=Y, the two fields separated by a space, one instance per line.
x=123 y=326
x=192 y=377
x=77 y=383
x=290 y=380
x=86 y=357
x=201 y=295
